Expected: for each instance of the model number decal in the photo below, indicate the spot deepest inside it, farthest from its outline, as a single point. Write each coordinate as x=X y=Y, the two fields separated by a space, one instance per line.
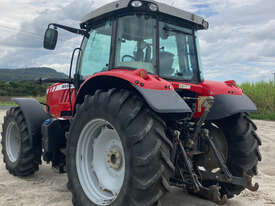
x=184 y=86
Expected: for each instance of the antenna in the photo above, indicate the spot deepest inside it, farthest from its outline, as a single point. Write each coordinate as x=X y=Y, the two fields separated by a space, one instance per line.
x=173 y=3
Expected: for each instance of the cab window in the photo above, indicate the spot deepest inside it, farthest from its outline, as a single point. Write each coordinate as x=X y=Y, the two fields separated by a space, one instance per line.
x=136 y=43
x=178 y=58
x=96 y=54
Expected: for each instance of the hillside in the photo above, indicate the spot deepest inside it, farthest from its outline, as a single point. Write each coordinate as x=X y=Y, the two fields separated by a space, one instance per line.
x=29 y=74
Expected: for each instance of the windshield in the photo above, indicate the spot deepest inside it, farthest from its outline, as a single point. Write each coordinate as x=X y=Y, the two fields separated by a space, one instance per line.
x=178 y=59
x=136 y=43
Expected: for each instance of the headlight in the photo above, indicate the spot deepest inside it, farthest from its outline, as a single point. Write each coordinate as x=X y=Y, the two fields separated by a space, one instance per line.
x=136 y=4
x=153 y=7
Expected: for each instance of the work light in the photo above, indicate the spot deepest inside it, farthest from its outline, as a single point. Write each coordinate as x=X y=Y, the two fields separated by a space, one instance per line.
x=205 y=24
x=136 y=4
x=153 y=7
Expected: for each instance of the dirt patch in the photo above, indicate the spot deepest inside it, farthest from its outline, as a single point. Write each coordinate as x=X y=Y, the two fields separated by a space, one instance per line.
x=5 y=99
x=47 y=187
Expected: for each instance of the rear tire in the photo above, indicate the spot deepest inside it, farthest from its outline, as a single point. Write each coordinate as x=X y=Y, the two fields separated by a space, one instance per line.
x=243 y=153
x=146 y=148
x=20 y=157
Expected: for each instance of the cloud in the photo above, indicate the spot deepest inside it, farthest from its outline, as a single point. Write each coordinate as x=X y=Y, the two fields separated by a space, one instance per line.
x=240 y=40
x=239 y=45
x=32 y=32
x=24 y=46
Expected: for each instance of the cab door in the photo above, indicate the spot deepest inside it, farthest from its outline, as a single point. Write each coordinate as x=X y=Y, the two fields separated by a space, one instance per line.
x=96 y=53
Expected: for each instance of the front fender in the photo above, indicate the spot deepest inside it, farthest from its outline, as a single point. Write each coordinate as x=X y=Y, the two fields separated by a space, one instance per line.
x=228 y=105
x=34 y=114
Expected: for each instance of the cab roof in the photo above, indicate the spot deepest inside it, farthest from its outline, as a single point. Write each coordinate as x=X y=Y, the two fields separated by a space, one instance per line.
x=121 y=6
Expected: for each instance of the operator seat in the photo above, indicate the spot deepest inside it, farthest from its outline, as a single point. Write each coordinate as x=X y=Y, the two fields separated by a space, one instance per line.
x=166 y=60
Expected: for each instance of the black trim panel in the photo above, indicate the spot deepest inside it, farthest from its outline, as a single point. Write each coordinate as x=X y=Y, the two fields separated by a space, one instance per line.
x=227 y=105
x=164 y=101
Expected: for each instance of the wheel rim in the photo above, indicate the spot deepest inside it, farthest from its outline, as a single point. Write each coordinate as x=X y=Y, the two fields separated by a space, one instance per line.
x=13 y=141
x=100 y=162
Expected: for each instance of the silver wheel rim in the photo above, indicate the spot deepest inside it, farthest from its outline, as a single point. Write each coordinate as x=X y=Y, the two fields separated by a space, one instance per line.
x=13 y=141
x=100 y=162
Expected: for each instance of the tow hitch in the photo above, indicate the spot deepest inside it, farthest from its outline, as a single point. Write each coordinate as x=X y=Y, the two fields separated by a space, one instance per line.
x=223 y=175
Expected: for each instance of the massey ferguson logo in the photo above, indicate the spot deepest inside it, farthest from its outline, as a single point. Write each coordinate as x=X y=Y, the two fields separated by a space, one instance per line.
x=59 y=87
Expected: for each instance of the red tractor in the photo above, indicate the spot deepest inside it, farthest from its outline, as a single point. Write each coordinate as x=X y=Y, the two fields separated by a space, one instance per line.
x=137 y=117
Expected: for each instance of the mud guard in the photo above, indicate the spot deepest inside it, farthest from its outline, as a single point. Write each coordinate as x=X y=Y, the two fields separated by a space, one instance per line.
x=34 y=115
x=164 y=101
x=227 y=105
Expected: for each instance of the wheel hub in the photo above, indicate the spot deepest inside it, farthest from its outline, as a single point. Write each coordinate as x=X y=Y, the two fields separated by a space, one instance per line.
x=114 y=158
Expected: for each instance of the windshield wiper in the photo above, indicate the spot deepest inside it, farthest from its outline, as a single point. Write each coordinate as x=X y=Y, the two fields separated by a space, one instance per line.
x=166 y=28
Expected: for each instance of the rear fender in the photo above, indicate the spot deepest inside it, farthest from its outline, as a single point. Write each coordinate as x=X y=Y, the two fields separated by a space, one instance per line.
x=34 y=115
x=228 y=105
x=163 y=101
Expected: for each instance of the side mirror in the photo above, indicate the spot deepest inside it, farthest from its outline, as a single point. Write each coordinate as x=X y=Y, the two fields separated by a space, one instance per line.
x=50 y=39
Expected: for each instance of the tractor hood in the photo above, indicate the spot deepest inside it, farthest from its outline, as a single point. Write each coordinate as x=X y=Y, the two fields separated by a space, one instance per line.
x=210 y=88
x=213 y=88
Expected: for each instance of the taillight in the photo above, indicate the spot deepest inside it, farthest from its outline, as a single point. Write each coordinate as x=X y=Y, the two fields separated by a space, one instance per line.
x=231 y=83
x=142 y=73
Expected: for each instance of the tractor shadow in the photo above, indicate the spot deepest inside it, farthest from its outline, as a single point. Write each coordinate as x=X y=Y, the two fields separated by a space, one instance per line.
x=178 y=197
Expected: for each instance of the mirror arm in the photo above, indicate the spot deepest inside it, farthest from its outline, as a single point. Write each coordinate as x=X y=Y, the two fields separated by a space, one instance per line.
x=70 y=29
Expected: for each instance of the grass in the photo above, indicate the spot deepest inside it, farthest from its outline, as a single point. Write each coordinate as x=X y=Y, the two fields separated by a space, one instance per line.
x=261 y=93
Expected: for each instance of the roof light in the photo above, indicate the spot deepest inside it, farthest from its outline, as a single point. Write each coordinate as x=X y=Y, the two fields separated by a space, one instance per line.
x=136 y=4
x=153 y=7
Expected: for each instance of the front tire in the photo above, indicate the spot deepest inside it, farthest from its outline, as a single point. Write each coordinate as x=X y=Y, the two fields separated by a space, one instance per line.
x=20 y=157
x=141 y=141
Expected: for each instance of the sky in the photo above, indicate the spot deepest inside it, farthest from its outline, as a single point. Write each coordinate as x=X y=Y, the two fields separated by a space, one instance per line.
x=239 y=45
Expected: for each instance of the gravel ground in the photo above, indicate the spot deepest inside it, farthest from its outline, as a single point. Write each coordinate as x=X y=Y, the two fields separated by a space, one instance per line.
x=47 y=187
x=4 y=108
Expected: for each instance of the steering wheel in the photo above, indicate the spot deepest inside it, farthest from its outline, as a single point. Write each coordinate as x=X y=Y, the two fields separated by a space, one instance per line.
x=128 y=56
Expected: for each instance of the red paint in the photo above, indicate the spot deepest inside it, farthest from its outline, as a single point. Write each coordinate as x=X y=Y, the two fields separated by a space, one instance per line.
x=132 y=76
x=58 y=99
x=211 y=88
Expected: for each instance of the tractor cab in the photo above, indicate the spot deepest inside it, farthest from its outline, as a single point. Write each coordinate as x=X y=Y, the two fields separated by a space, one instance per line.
x=146 y=35
x=142 y=34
